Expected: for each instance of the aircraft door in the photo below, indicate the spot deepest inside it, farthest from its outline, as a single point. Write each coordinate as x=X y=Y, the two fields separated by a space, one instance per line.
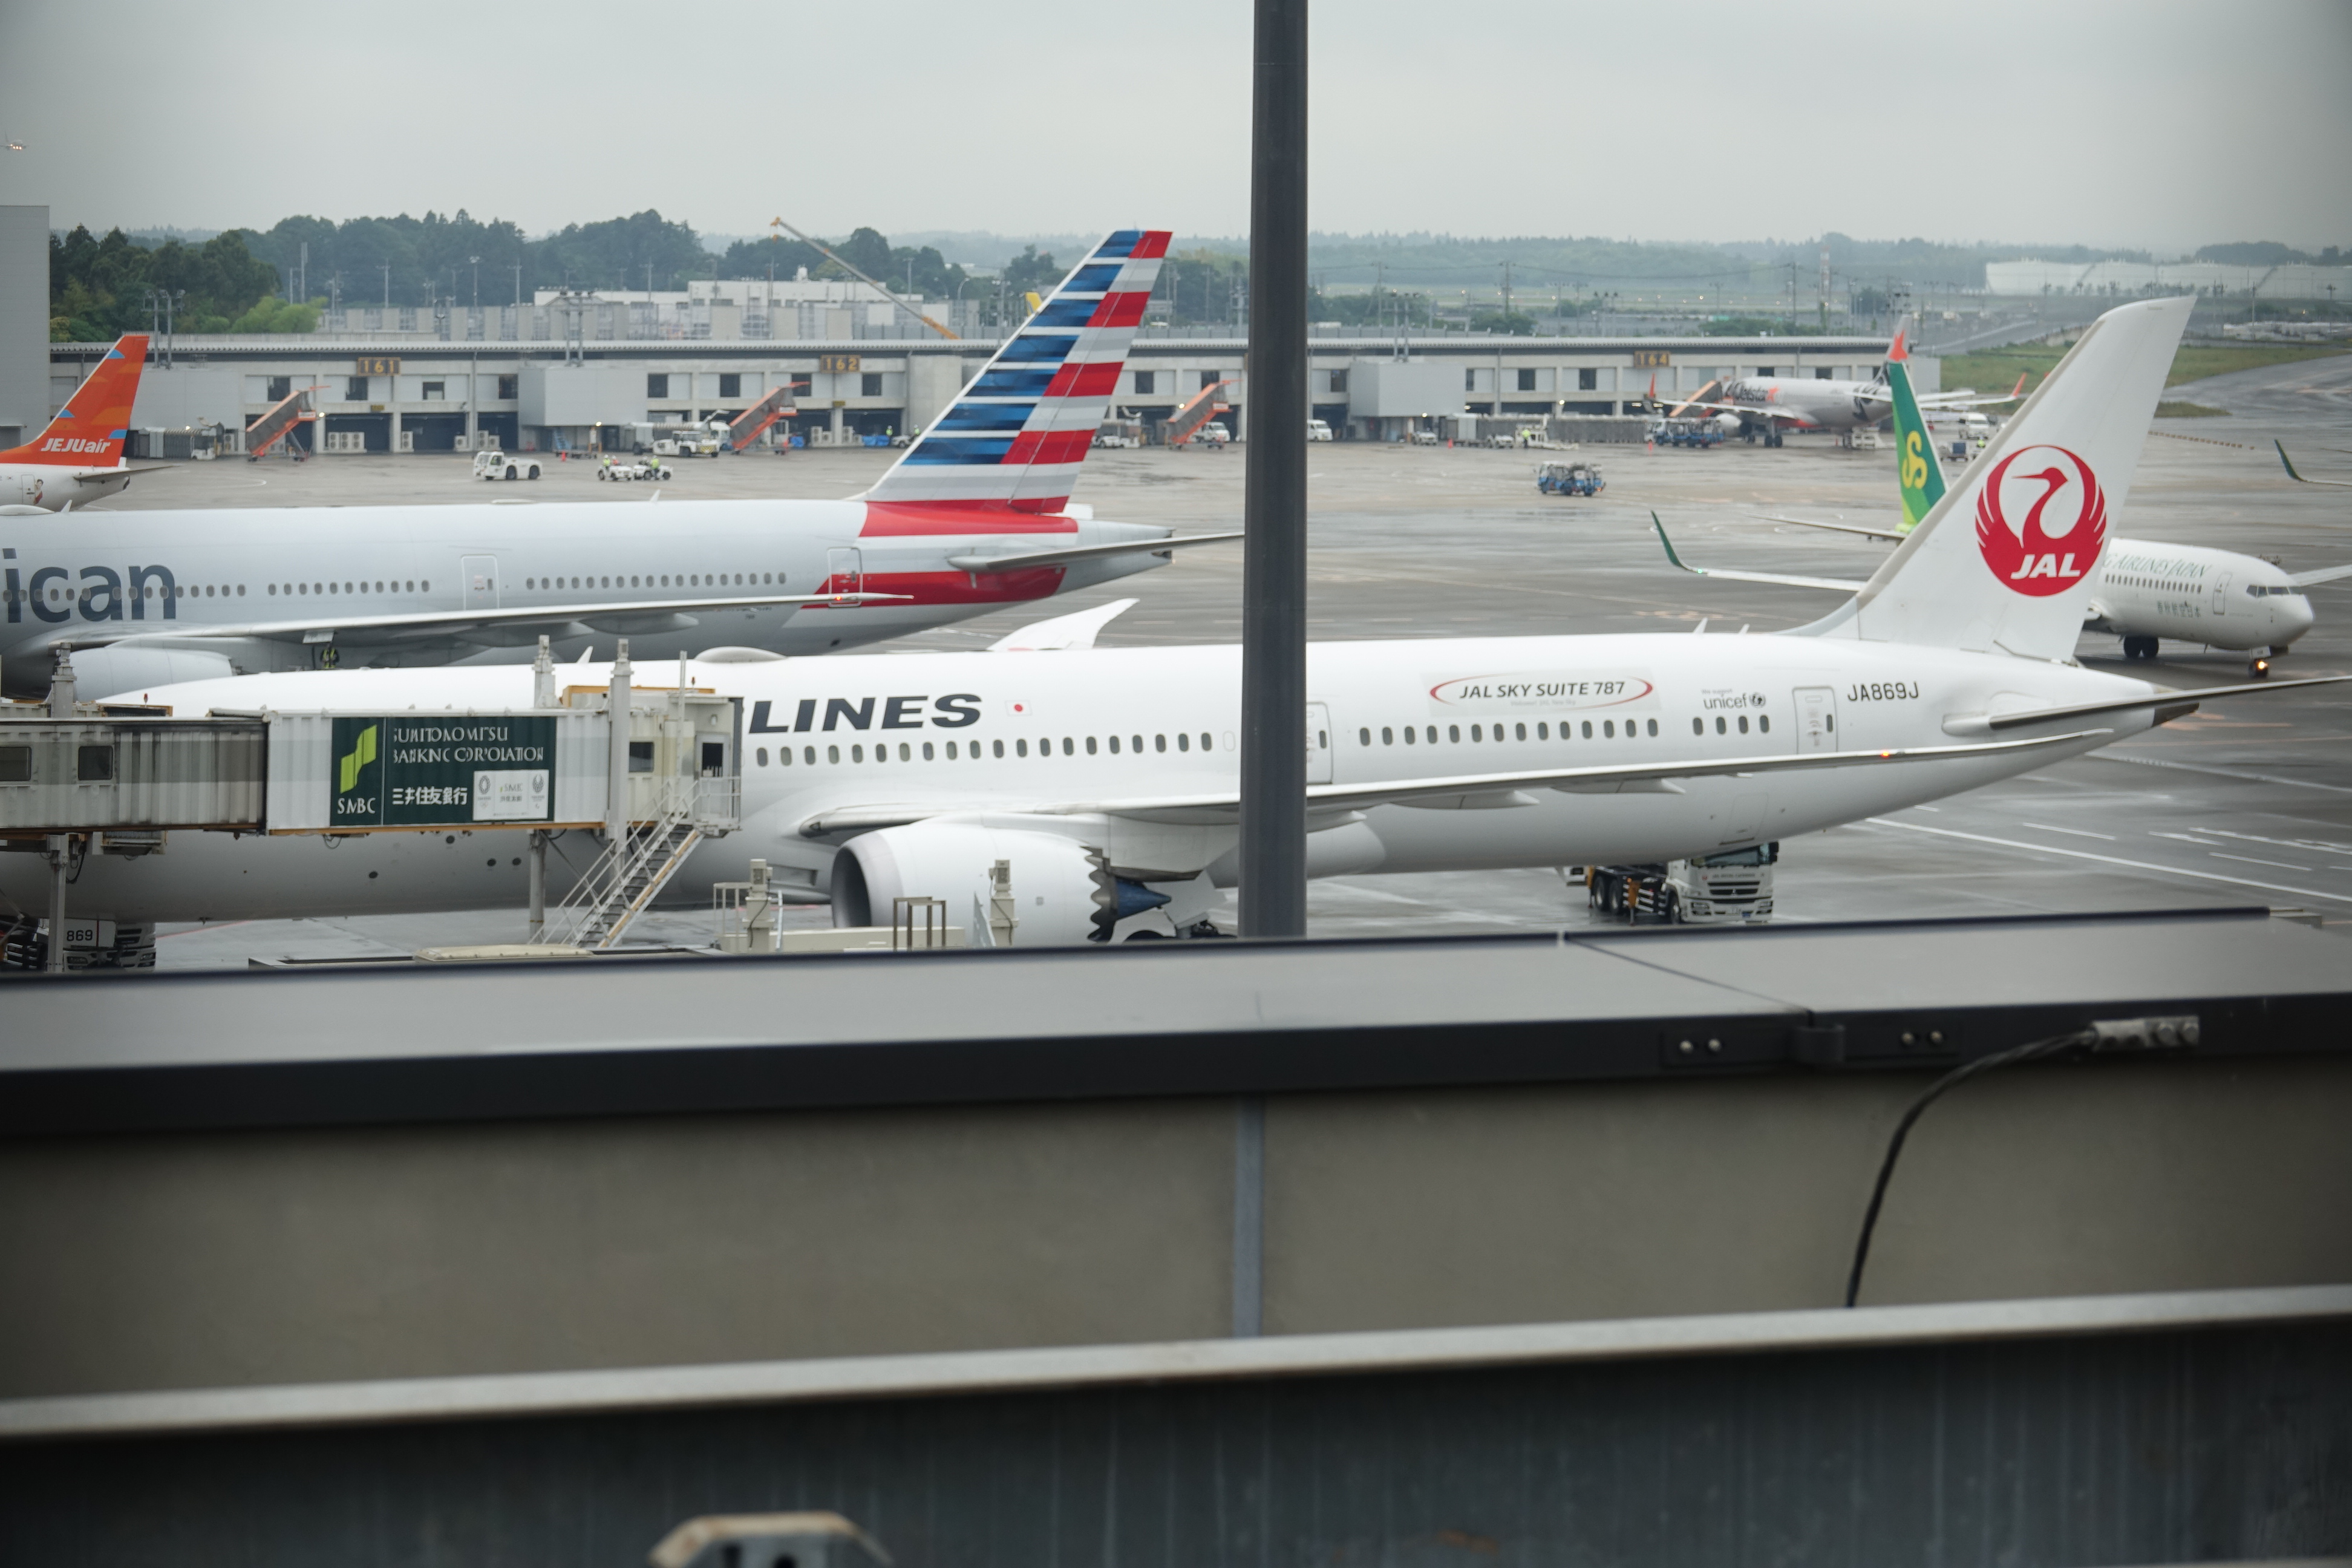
x=2221 y=595
x=1319 y=744
x=481 y=577
x=845 y=571
x=1816 y=718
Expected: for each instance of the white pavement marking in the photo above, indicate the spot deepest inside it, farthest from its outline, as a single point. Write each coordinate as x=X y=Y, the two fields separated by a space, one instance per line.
x=2077 y=832
x=2282 y=865
x=2111 y=860
x=2219 y=773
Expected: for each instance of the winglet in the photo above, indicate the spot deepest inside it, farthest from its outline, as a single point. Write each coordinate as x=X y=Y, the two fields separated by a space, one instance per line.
x=2287 y=461
x=1693 y=571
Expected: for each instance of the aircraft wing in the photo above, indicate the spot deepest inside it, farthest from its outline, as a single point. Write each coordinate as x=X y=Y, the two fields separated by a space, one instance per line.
x=1971 y=399
x=1866 y=532
x=2332 y=484
x=1635 y=777
x=1838 y=584
x=1027 y=559
x=428 y=623
x=2325 y=574
x=1753 y=411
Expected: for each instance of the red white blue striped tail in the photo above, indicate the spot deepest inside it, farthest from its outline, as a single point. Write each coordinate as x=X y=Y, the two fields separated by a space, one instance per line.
x=1014 y=438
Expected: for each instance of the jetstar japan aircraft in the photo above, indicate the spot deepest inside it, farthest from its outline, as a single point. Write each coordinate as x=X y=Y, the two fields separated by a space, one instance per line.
x=2143 y=590
x=1773 y=405
x=974 y=516
x=1107 y=778
x=78 y=457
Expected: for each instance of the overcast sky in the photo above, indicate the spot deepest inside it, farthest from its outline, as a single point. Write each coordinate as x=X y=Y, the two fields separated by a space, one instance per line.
x=2155 y=124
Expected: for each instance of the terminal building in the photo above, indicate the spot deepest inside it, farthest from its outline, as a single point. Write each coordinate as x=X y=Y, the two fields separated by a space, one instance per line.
x=393 y=391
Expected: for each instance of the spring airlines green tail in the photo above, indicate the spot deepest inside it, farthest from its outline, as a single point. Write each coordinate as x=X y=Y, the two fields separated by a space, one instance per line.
x=1922 y=477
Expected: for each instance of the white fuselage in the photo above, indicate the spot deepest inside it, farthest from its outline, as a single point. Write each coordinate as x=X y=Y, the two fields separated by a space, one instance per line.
x=51 y=486
x=192 y=572
x=1037 y=734
x=1809 y=405
x=2187 y=592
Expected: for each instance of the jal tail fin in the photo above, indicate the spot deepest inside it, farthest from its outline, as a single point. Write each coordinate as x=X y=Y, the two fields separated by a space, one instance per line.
x=1014 y=438
x=1918 y=474
x=2005 y=561
x=88 y=432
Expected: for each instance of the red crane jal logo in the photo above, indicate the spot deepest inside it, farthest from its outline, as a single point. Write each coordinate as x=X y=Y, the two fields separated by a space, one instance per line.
x=2041 y=519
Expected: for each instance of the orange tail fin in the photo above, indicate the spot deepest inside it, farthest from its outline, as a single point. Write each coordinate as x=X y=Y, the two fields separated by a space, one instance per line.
x=90 y=430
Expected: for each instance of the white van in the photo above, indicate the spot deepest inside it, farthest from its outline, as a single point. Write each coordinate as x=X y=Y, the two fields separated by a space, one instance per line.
x=1318 y=431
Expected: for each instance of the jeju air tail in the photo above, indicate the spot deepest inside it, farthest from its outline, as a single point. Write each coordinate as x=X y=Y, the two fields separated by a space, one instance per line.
x=2005 y=561
x=1014 y=440
x=90 y=430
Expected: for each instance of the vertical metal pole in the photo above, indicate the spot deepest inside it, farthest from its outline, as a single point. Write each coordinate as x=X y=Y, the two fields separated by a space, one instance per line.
x=616 y=783
x=1274 y=561
x=60 y=856
x=538 y=884
x=1249 y=1218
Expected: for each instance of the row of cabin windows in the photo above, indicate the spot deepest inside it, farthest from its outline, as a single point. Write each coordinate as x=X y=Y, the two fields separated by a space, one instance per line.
x=970 y=751
x=84 y=595
x=685 y=579
x=412 y=586
x=1607 y=731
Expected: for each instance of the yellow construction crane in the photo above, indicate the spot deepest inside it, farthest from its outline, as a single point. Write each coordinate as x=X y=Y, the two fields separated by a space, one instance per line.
x=820 y=247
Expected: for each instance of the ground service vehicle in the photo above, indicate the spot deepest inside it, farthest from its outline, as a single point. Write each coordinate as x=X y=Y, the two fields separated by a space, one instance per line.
x=1728 y=888
x=1569 y=478
x=1700 y=433
x=637 y=469
x=494 y=464
x=1317 y=430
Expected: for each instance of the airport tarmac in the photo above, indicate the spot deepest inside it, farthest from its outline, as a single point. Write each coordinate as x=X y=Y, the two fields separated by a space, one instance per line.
x=2248 y=802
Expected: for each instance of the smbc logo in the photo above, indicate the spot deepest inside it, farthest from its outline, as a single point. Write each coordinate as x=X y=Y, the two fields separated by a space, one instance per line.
x=349 y=765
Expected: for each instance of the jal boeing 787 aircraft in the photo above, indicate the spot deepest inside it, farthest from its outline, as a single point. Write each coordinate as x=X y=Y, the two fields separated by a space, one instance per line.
x=974 y=515
x=2144 y=590
x=1106 y=778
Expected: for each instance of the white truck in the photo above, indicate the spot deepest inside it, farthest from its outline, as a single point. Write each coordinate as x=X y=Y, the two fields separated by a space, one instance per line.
x=1734 y=887
x=494 y=464
x=1317 y=430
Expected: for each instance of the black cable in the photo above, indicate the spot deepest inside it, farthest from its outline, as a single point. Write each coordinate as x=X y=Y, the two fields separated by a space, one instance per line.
x=2032 y=1051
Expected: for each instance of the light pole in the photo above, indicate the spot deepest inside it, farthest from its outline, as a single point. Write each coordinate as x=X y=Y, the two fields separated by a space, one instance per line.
x=385 y=267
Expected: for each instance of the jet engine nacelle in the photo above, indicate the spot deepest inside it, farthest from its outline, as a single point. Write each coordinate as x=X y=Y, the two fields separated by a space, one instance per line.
x=1063 y=892
x=126 y=672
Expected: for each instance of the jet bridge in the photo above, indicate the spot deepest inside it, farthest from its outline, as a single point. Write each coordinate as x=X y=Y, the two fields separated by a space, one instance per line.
x=75 y=778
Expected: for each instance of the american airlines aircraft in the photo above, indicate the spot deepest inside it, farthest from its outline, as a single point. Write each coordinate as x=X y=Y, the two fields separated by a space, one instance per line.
x=2142 y=590
x=1107 y=778
x=1774 y=404
x=78 y=457
x=974 y=516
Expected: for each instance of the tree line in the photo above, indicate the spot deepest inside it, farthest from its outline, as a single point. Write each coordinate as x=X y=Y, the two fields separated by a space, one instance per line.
x=247 y=280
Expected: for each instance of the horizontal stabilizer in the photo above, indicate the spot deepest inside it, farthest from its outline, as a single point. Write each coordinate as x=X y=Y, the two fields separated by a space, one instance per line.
x=2325 y=574
x=1026 y=559
x=2186 y=700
